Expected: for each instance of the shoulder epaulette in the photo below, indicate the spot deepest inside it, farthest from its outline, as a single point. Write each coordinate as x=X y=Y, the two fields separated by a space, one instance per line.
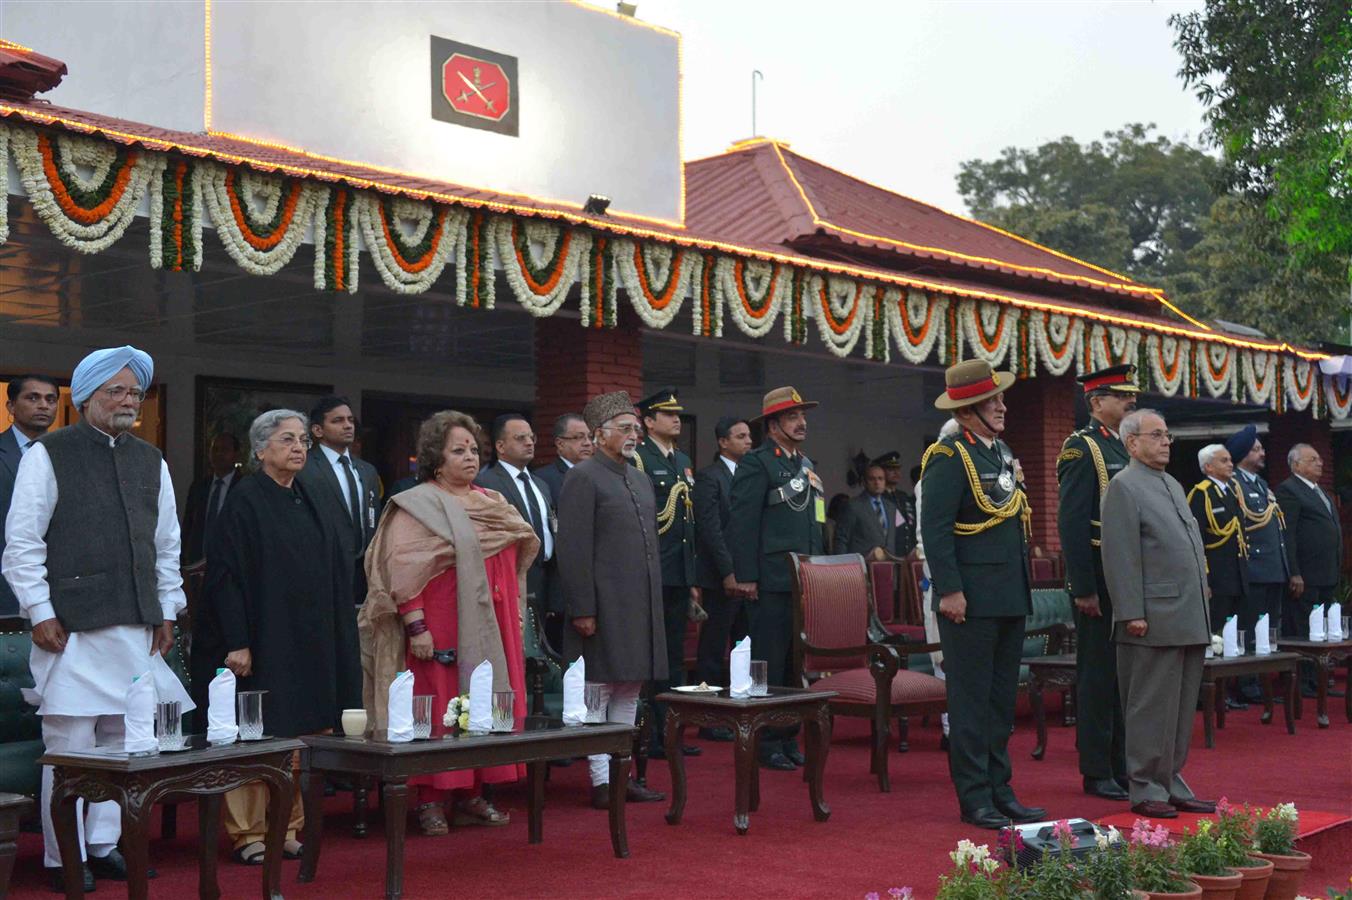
x=1205 y=484
x=937 y=447
x=1069 y=454
x=638 y=461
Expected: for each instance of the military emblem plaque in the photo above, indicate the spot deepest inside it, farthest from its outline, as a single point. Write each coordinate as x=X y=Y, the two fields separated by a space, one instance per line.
x=475 y=87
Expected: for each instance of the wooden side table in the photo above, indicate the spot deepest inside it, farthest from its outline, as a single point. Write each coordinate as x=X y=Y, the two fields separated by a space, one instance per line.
x=13 y=807
x=1217 y=669
x=1326 y=655
x=1043 y=672
x=136 y=783
x=746 y=717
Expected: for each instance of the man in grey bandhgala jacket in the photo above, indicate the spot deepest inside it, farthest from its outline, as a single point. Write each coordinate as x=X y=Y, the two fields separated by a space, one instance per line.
x=611 y=568
x=1155 y=567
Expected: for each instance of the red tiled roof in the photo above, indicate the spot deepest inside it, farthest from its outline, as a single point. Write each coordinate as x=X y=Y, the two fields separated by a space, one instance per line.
x=762 y=192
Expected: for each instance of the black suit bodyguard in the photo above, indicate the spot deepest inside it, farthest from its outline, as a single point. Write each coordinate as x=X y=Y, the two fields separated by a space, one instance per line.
x=777 y=509
x=673 y=476
x=976 y=542
x=1089 y=458
x=1264 y=531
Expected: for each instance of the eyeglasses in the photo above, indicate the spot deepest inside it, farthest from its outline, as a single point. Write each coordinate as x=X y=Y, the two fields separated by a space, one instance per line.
x=117 y=393
x=622 y=429
x=1164 y=436
x=572 y=437
x=290 y=440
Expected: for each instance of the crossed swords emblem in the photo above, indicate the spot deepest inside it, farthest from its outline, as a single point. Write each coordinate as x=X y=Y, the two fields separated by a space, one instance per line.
x=476 y=88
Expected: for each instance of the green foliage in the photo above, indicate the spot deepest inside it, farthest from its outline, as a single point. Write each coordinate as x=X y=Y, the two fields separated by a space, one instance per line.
x=1199 y=853
x=1275 y=831
x=1108 y=873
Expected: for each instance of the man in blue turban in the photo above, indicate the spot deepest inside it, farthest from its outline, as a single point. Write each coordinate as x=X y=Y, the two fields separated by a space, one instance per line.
x=92 y=554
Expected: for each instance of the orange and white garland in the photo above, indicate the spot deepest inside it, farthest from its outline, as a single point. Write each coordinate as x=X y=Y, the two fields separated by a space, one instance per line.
x=917 y=322
x=87 y=191
x=991 y=330
x=1338 y=395
x=1058 y=341
x=754 y=291
x=1216 y=368
x=842 y=307
x=1168 y=357
x=410 y=241
x=1109 y=346
x=1301 y=381
x=1262 y=373
x=540 y=261
x=657 y=278
x=261 y=219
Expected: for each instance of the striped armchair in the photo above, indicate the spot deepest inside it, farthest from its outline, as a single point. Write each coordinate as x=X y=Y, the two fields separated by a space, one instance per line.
x=833 y=606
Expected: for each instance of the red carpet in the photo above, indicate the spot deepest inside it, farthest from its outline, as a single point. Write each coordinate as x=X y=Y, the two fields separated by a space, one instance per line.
x=1312 y=821
x=872 y=842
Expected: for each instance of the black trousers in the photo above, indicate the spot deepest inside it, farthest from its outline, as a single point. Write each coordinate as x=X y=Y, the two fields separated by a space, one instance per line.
x=1223 y=606
x=770 y=625
x=711 y=665
x=981 y=662
x=675 y=616
x=1264 y=597
x=1099 y=728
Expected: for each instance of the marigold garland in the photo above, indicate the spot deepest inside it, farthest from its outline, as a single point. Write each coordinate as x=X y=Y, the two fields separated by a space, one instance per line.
x=916 y=322
x=755 y=291
x=598 y=285
x=1338 y=395
x=262 y=240
x=4 y=183
x=411 y=263
x=1217 y=365
x=1301 y=382
x=656 y=277
x=1262 y=375
x=176 y=217
x=989 y=329
x=842 y=307
x=878 y=347
x=1168 y=357
x=475 y=281
x=1111 y=346
x=540 y=285
x=336 y=243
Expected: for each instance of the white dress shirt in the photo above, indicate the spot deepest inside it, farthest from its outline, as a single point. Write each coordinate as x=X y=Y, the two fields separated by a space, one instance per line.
x=731 y=464
x=91 y=676
x=226 y=481
x=512 y=472
x=335 y=461
x=1225 y=488
x=1318 y=490
x=23 y=440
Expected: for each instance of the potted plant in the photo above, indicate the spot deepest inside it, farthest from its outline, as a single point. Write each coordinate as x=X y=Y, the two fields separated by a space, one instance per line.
x=1234 y=836
x=975 y=874
x=1274 y=839
x=1153 y=862
x=1055 y=877
x=1200 y=855
x=1107 y=871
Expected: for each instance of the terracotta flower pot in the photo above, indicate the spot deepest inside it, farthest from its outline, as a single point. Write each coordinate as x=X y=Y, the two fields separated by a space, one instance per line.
x=1196 y=892
x=1218 y=887
x=1287 y=874
x=1255 y=883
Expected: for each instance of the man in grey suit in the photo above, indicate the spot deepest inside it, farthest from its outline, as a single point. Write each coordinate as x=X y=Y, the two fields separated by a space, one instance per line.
x=1155 y=567
x=868 y=526
x=514 y=444
x=32 y=402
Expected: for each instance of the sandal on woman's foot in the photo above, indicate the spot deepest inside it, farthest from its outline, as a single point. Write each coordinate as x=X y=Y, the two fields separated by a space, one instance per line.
x=478 y=812
x=432 y=820
x=250 y=854
x=292 y=849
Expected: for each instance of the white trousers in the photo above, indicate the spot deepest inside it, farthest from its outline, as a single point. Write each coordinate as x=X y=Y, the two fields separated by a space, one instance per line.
x=100 y=825
x=621 y=698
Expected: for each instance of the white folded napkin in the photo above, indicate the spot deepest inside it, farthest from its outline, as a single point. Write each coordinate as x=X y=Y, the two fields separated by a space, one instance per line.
x=221 y=727
x=739 y=669
x=399 y=723
x=139 y=719
x=1230 y=637
x=1261 y=646
x=1317 y=623
x=167 y=685
x=1334 y=632
x=481 y=697
x=574 y=698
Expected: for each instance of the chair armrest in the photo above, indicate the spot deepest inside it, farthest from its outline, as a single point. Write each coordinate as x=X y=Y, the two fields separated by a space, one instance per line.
x=837 y=651
x=883 y=664
x=1056 y=635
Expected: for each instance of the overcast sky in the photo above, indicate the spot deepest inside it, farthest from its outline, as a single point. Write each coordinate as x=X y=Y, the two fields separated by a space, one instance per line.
x=899 y=93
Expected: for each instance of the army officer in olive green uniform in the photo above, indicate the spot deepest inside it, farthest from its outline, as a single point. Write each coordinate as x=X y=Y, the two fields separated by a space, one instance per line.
x=974 y=528
x=777 y=509
x=672 y=476
x=1089 y=458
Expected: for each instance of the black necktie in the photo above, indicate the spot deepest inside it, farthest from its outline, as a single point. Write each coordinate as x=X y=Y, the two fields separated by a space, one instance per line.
x=353 y=495
x=533 y=505
x=213 y=501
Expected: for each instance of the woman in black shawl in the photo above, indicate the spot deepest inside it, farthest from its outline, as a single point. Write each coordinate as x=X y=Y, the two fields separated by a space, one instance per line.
x=277 y=611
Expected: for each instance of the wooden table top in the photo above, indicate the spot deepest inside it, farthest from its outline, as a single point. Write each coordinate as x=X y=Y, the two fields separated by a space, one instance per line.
x=196 y=753
x=536 y=730
x=1298 y=644
x=778 y=696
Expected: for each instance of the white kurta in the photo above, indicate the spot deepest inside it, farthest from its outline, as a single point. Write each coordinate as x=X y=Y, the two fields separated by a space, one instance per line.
x=91 y=676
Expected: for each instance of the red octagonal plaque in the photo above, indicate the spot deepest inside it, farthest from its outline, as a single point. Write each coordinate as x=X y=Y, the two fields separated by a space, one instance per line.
x=476 y=87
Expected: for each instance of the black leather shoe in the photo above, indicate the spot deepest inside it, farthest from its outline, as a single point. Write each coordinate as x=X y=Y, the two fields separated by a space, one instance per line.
x=794 y=755
x=691 y=750
x=1205 y=807
x=563 y=763
x=1105 y=788
x=1019 y=813
x=778 y=761
x=1123 y=784
x=56 y=880
x=943 y=743
x=600 y=796
x=113 y=867
x=1155 y=809
x=637 y=793
x=986 y=817
x=722 y=735
x=1235 y=704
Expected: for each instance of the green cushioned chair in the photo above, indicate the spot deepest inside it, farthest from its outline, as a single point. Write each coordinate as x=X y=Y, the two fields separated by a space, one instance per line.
x=20 y=727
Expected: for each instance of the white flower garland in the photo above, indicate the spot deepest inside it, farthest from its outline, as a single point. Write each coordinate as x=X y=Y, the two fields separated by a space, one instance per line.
x=1112 y=346
x=351 y=246
x=978 y=318
x=1163 y=351
x=546 y=236
x=192 y=218
x=1212 y=358
x=1301 y=382
x=1338 y=395
x=4 y=183
x=1262 y=375
x=72 y=152
x=697 y=275
x=272 y=189
x=658 y=260
x=845 y=300
x=1044 y=329
x=450 y=243
x=925 y=315
x=757 y=278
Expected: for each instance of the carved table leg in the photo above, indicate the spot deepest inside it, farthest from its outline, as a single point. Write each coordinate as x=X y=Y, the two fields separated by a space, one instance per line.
x=208 y=849
x=619 y=775
x=535 y=803
x=1321 y=663
x=169 y=821
x=360 y=789
x=312 y=784
x=673 y=740
x=136 y=846
x=755 y=771
x=9 y=833
x=67 y=838
x=1220 y=703
x=395 y=797
x=744 y=755
x=281 y=791
x=1039 y=713
x=818 y=729
x=1290 y=679
x=1209 y=711
x=1266 y=681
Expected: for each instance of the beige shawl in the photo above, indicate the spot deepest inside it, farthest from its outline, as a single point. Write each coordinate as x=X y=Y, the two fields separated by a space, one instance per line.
x=428 y=531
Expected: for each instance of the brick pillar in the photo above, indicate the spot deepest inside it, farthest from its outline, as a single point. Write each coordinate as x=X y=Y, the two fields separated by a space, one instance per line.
x=1041 y=415
x=574 y=364
x=1289 y=429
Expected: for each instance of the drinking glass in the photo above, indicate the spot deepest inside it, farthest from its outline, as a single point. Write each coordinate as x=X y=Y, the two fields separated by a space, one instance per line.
x=1274 y=635
x=249 y=713
x=1347 y=620
x=1240 y=635
x=504 y=719
x=760 y=678
x=422 y=716
x=169 y=724
x=594 y=695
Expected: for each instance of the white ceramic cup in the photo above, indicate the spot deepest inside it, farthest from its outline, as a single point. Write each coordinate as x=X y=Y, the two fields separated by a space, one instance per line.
x=354 y=722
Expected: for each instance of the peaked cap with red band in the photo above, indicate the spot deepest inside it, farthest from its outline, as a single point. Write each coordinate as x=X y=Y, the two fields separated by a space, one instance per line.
x=781 y=400
x=1118 y=379
x=969 y=382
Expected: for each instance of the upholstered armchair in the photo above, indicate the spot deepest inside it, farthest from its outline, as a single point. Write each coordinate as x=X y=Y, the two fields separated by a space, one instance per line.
x=833 y=608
